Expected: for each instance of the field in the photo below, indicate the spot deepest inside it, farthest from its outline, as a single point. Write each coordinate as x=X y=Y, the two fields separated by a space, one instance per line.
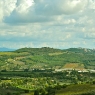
x=56 y=53
x=74 y=66
x=81 y=89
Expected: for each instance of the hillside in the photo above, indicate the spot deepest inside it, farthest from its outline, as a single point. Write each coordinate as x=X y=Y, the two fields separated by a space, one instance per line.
x=81 y=50
x=46 y=58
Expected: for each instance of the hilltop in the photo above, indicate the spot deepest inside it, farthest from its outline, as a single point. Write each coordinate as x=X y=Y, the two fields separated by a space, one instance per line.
x=47 y=58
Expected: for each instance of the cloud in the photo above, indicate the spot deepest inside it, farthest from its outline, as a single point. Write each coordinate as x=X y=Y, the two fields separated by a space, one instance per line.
x=58 y=7
x=52 y=23
x=43 y=10
x=6 y=8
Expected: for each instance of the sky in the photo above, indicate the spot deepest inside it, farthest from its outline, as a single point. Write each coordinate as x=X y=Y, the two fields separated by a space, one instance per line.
x=47 y=23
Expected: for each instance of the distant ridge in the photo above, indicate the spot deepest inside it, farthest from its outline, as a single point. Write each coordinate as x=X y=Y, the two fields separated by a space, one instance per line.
x=2 y=49
x=81 y=50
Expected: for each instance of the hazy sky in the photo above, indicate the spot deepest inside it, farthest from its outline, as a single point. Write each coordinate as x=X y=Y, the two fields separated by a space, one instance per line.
x=47 y=23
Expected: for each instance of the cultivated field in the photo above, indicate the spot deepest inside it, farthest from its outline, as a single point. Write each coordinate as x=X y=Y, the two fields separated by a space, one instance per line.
x=74 y=66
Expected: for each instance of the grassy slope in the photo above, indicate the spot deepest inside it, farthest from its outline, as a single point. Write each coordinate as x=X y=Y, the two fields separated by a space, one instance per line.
x=77 y=89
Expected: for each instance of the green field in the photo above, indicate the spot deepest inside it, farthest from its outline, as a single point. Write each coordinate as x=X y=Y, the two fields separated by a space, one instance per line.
x=81 y=89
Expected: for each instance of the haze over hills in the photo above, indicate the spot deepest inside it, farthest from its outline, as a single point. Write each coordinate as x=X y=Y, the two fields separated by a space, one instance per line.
x=6 y=49
x=45 y=58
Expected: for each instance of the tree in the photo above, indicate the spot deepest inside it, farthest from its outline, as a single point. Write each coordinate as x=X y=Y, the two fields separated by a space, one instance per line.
x=36 y=92
x=8 y=93
x=94 y=82
x=51 y=91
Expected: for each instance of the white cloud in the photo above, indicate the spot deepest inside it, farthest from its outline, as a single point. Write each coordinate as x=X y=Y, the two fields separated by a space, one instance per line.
x=54 y=23
x=57 y=7
x=6 y=7
x=22 y=6
x=43 y=10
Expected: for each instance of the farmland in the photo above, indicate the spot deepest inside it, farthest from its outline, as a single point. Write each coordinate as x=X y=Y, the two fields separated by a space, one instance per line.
x=47 y=71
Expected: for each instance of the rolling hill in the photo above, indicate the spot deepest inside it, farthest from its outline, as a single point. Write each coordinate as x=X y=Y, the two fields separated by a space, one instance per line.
x=45 y=58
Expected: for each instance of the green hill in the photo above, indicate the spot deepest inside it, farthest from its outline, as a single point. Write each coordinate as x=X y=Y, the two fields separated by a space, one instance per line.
x=45 y=58
x=81 y=50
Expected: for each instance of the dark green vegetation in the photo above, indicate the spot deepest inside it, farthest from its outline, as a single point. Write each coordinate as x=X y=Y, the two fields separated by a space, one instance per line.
x=81 y=89
x=47 y=83
x=47 y=71
x=45 y=58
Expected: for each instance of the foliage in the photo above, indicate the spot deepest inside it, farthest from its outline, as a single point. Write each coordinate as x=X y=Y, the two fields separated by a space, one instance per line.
x=45 y=71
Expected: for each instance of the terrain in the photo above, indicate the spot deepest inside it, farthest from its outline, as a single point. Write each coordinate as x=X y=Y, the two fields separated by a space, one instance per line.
x=47 y=58
x=47 y=71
